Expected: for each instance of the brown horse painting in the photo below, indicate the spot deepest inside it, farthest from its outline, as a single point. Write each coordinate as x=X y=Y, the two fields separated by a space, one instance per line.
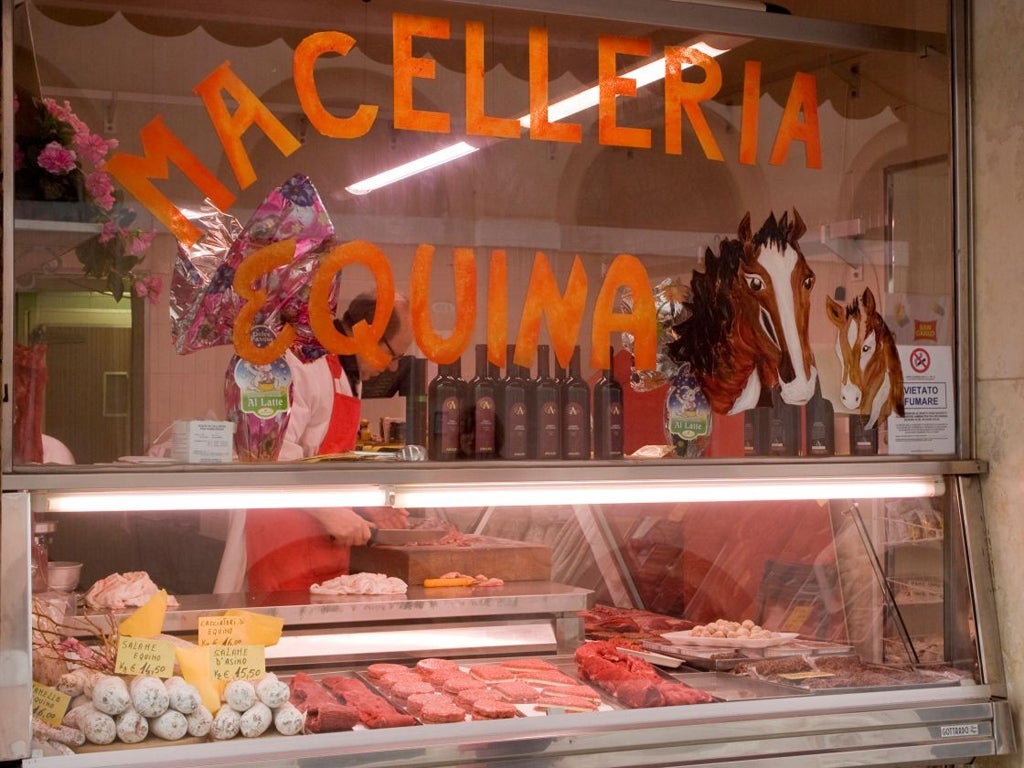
x=871 y=381
x=748 y=328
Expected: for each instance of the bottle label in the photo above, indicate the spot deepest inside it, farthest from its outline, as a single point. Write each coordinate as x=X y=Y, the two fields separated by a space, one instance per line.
x=549 y=430
x=517 y=431
x=614 y=429
x=819 y=439
x=483 y=431
x=450 y=427
x=575 y=432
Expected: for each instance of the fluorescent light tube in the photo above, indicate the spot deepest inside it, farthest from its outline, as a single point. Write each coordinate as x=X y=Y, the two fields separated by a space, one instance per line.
x=420 y=164
x=543 y=494
x=252 y=498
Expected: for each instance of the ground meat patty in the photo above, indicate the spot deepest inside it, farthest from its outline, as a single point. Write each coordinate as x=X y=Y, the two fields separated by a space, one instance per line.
x=470 y=695
x=415 y=703
x=406 y=688
x=492 y=709
x=461 y=682
x=377 y=671
x=442 y=711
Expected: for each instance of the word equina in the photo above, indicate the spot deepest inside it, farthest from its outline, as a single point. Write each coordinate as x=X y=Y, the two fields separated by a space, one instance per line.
x=562 y=310
x=161 y=146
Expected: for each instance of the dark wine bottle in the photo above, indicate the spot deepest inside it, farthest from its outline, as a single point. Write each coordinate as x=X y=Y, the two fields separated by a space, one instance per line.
x=545 y=411
x=820 y=425
x=445 y=399
x=416 y=418
x=783 y=427
x=608 y=414
x=755 y=431
x=575 y=412
x=481 y=404
x=514 y=411
x=863 y=441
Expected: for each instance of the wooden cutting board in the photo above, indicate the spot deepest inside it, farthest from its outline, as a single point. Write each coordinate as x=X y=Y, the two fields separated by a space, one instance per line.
x=499 y=558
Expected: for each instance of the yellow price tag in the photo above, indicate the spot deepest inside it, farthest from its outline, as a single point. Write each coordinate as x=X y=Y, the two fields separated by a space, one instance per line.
x=237 y=662
x=49 y=704
x=223 y=630
x=138 y=656
x=797 y=618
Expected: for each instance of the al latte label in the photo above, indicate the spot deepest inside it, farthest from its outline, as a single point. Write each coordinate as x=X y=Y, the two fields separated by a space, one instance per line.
x=263 y=389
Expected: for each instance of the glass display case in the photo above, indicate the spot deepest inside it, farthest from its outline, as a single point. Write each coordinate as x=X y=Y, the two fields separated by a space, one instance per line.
x=608 y=361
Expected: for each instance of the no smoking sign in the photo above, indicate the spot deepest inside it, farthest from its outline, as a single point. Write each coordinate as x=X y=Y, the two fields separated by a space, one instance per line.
x=920 y=360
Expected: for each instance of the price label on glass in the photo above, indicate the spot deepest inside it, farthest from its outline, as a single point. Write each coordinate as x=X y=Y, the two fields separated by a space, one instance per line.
x=237 y=662
x=137 y=656
x=49 y=704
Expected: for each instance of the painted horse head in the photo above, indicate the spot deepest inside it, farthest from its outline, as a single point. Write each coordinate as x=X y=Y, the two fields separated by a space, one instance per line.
x=749 y=315
x=871 y=382
x=777 y=284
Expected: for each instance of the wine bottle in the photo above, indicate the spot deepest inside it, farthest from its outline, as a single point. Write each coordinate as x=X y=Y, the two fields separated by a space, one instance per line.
x=608 y=415
x=445 y=399
x=863 y=441
x=821 y=425
x=481 y=410
x=514 y=411
x=416 y=416
x=755 y=431
x=545 y=411
x=575 y=412
x=783 y=427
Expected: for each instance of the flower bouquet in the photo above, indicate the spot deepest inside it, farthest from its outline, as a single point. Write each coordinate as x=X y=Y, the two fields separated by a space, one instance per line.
x=60 y=166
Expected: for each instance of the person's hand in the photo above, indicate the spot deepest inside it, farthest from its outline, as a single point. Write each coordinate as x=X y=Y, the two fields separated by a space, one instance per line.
x=386 y=517
x=344 y=525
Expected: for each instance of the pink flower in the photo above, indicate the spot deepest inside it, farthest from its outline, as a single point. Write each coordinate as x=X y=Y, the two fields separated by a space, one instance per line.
x=92 y=147
x=140 y=243
x=100 y=189
x=56 y=159
x=110 y=231
x=149 y=288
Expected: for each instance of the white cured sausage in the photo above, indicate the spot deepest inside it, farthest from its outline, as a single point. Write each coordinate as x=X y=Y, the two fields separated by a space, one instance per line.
x=199 y=722
x=288 y=720
x=272 y=692
x=184 y=697
x=170 y=726
x=149 y=696
x=256 y=720
x=131 y=727
x=226 y=724
x=98 y=727
x=110 y=695
x=240 y=695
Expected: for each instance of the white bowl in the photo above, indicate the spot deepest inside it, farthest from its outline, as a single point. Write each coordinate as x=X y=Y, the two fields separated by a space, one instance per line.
x=63 y=575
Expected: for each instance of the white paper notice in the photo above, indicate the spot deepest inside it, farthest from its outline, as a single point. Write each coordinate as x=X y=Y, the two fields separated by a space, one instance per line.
x=929 y=425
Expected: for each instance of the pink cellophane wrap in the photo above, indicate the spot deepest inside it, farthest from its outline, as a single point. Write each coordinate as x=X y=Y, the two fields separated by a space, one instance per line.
x=204 y=304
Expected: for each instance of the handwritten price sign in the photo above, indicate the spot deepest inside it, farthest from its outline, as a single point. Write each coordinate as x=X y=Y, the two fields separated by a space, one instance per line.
x=136 y=656
x=237 y=662
x=223 y=630
x=49 y=704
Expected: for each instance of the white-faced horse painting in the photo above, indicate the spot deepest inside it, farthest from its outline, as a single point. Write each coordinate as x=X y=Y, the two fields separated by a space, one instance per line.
x=871 y=380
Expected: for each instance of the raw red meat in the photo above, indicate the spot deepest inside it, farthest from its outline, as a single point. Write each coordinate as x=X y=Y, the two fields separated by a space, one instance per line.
x=374 y=712
x=324 y=713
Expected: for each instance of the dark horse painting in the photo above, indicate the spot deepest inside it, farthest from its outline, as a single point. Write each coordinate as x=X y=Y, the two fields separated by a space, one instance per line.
x=748 y=328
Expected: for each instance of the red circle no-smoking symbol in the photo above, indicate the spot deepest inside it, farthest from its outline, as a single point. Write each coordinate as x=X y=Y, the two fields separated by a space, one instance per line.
x=920 y=360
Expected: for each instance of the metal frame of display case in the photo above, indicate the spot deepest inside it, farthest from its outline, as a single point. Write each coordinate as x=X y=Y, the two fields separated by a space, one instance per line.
x=914 y=725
